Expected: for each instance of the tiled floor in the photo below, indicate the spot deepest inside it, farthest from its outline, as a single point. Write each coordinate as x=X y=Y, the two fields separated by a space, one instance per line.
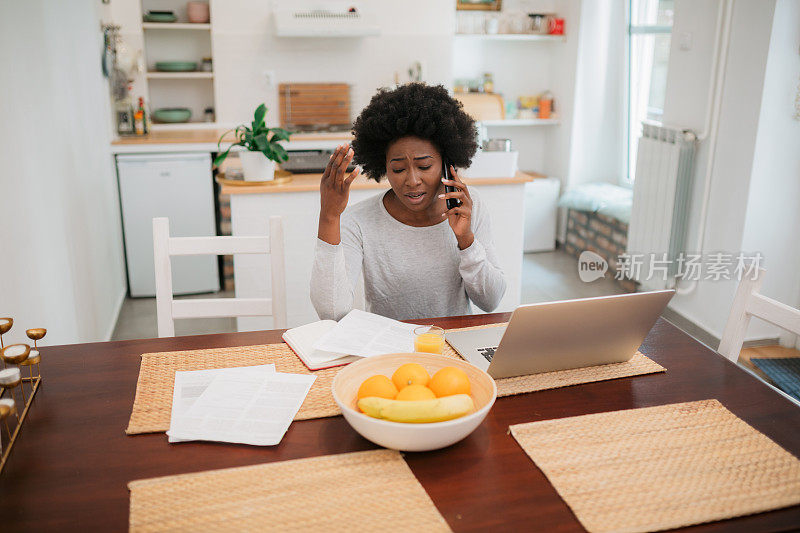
x=137 y=320
x=546 y=276
x=551 y=276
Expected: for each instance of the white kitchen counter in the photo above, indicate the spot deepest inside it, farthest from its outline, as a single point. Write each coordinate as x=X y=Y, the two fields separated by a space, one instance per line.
x=205 y=140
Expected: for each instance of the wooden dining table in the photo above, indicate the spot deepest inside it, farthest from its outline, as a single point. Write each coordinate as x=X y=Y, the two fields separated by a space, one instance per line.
x=72 y=462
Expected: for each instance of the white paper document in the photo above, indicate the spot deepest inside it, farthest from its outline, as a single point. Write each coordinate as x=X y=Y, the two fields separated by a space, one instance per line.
x=190 y=385
x=248 y=405
x=366 y=334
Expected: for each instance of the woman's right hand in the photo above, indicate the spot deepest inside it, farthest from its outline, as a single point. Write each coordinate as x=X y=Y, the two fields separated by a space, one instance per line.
x=334 y=189
x=335 y=186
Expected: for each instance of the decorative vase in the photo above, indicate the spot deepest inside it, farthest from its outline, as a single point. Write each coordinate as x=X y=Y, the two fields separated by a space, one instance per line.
x=256 y=166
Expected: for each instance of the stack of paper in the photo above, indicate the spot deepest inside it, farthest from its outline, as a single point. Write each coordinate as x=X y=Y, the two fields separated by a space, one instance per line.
x=366 y=334
x=247 y=405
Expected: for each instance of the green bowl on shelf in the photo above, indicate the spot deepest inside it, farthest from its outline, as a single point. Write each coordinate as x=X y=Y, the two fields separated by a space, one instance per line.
x=172 y=115
x=176 y=66
x=160 y=16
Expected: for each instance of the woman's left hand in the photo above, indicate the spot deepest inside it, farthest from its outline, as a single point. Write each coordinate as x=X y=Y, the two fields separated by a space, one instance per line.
x=460 y=217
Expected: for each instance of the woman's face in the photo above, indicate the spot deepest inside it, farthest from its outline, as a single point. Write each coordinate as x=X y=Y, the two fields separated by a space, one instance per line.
x=414 y=169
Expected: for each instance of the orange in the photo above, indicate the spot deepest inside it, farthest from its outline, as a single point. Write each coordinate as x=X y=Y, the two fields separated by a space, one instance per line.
x=449 y=381
x=414 y=393
x=379 y=386
x=410 y=374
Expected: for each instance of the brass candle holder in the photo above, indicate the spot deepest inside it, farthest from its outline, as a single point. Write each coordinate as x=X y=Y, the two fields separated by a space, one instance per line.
x=34 y=334
x=5 y=324
x=7 y=408
x=15 y=354
x=15 y=358
x=11 y=378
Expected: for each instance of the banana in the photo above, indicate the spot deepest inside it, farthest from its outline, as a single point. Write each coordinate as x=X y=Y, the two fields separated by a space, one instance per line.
x=423 y=411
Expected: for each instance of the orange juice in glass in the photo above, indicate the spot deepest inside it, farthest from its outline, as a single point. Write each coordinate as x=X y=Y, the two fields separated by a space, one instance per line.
x=429 y=339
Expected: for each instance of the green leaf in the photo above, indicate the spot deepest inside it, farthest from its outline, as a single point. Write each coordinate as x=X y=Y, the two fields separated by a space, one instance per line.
x=261 y=142
x=241 y=133
x=258 y=116
x=280 y=153
x=221 y=157
x=279 y=134
x=267 y=151
x=247 y=140
x=222 y=137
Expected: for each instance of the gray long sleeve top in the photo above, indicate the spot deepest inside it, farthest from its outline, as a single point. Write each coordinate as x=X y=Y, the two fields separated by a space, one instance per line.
x=409 y=272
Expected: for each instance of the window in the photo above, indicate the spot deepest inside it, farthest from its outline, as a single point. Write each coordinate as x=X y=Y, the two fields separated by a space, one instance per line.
x=649 y=35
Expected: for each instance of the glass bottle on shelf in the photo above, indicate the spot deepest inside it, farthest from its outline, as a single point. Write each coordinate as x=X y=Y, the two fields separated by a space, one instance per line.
x=488 y=83
x=124 y=115
x=145 y=117
x=545 y=105
x=138 y=122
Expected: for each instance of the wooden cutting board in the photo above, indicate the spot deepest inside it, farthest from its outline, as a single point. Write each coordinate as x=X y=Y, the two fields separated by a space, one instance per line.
x=314 y=104
x=486 y=106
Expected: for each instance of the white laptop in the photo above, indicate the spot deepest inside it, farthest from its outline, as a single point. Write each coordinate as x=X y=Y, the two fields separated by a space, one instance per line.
x=567 y=334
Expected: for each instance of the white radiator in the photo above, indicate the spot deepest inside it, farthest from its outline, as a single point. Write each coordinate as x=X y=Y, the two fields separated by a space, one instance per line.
x=663 y=179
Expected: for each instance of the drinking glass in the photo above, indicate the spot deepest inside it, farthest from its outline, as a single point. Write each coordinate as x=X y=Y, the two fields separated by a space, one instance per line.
x=429 y=339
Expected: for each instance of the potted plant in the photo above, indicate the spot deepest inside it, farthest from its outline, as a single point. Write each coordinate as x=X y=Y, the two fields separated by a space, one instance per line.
x=262 y=148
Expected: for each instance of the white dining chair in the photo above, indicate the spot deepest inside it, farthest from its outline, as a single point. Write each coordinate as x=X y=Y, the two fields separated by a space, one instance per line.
x=168 y=309
x=749 y=303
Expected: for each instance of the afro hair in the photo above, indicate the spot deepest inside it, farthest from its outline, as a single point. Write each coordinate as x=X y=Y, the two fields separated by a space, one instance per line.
x=415 y=109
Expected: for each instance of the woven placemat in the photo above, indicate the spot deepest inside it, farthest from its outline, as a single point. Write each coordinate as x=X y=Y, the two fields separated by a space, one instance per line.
x=661 y=467
x=152 y=406
x=361 y=491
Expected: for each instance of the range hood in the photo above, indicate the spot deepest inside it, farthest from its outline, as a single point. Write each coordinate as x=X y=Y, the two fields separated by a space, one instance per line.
x=295 y=18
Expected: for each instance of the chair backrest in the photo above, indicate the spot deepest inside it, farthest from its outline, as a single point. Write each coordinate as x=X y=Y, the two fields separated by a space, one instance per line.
x=169 y=309
x=749 y=303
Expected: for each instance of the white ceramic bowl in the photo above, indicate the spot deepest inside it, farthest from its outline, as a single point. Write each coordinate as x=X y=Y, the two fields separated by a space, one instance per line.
x=411 y=437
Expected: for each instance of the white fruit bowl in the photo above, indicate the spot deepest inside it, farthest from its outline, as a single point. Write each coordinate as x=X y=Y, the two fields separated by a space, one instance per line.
x=411 y=437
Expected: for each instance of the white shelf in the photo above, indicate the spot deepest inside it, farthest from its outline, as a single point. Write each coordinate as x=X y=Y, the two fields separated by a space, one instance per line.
x=176 y=26
x=179 y=75
x=511 y=37
x=522 y=122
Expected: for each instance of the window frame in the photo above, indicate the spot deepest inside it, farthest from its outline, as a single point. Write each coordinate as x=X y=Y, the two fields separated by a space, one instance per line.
x=634 y=29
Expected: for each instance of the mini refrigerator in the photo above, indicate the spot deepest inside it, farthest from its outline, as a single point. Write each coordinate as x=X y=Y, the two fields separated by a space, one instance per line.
x=541 y=214
x=177 y=186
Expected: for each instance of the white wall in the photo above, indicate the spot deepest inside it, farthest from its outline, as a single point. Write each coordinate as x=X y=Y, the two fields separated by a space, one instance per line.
x=60 y=240
x=597 y=149
x=245 y=48
x=526 y=68
x=751 y=173
x=563 y=72
x=772 y=223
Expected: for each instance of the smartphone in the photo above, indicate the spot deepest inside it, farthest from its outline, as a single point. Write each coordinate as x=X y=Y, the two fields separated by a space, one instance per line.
x=450 y=202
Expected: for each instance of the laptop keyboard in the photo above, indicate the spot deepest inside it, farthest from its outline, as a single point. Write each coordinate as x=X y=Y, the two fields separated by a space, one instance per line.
x=488 y=353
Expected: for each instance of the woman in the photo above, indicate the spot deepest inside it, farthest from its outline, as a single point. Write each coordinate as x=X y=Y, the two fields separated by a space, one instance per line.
x=418 y=258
